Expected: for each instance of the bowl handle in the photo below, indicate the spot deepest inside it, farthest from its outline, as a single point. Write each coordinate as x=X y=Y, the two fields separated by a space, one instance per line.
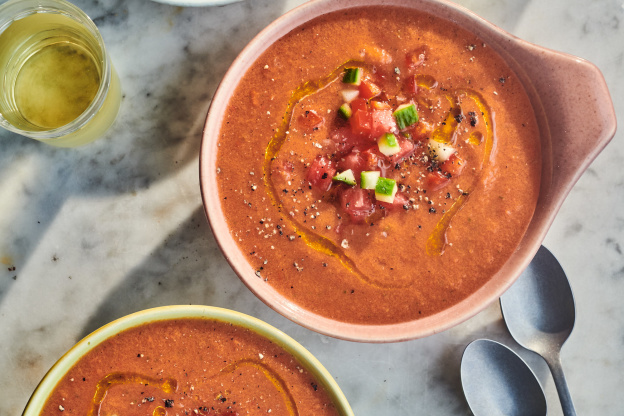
x=578 y=109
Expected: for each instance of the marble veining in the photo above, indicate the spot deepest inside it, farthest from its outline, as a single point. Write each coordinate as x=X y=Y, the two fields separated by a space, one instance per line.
x=91 y=234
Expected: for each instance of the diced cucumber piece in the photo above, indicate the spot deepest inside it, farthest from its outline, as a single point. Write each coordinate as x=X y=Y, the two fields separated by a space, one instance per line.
x=405 y=115
x=368 y=179
x=345 y=111
x=385 y=190
x=346 y=177
x=352 y=76
x=349 y=95
x=438 y=151
x=388 y=144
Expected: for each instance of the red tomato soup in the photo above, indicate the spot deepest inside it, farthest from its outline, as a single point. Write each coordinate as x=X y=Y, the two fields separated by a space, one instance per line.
x=188 y=367
x=378 y=165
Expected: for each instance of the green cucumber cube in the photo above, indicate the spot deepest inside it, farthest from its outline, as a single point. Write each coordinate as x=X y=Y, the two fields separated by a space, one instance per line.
x=345 y=111
x=352 y=76
x=385 y=190
x=405 y=115
x=388 y=144
x=347 y=177
x=368 y=179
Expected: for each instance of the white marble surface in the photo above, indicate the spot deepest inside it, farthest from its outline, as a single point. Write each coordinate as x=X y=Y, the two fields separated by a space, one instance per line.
x=117 y=226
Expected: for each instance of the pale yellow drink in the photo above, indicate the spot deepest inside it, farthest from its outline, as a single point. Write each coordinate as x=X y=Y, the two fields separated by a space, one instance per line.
x=57 y=83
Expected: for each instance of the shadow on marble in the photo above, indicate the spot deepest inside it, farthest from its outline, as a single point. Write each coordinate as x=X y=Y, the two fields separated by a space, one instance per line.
x=187 y=268
x=158 y=130
x=445 y=374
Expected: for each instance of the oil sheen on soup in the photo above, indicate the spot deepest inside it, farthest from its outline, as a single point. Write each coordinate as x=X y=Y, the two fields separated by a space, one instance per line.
x=188 y=366
x=378 y=165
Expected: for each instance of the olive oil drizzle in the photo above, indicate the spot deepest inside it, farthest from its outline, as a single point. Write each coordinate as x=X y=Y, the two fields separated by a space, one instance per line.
x=171 y=385
x=272 y=376
x=159 y=411
x=102 y=387
x=437 y=241
x=446 y=131
x=311 y=239
x=426 y=81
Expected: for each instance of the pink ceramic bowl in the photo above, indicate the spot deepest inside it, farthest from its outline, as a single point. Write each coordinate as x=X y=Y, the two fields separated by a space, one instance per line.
x=563 y=89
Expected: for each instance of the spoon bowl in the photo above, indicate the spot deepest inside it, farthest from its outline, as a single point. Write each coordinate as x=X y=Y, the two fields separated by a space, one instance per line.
x=496 y=381
x=539 y=313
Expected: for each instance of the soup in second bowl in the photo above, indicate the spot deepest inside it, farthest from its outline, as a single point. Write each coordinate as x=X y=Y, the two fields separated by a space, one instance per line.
x=189 y=366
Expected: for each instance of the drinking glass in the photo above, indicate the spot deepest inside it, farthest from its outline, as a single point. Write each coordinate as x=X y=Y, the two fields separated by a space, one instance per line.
x=57 y=82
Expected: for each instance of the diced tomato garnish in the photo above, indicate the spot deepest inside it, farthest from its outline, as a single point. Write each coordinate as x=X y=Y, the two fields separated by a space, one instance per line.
x=400 y=201
x=380 y=105
x=381 y=102
x=359 y=160
x=372 y=123
x=436 y=180
x=453 y=165
x=411 y=86
x=359 y=104
x=417 y=57
x=383 y=97
x=356 y=203
x=320 y=173
x=310 y=120
x=353 y=161
x=361 y=122
x=382 y=122
x=371 y=158
x=368 y=89
x=407 y=148
x=344 y=140
x=418 y=132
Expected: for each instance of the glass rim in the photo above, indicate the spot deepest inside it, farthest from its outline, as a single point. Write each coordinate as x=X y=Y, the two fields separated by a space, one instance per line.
x=19 y=9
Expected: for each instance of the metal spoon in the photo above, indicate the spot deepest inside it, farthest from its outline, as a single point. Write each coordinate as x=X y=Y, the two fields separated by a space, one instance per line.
x=497 y=382
x=539 y=312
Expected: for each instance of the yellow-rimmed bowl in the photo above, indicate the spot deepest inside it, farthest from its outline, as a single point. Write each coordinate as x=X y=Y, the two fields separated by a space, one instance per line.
x=165 y=313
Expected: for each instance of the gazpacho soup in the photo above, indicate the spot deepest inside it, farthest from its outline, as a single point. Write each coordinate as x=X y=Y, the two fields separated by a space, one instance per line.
x=190 y=366
x=378 y=165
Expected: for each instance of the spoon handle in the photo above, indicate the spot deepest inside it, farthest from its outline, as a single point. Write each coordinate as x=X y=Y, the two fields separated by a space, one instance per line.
x=554 y=363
